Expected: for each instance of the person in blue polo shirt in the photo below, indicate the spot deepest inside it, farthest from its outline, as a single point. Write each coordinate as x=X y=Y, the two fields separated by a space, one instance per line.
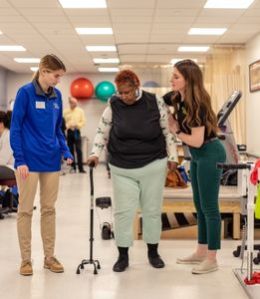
x=39 y=145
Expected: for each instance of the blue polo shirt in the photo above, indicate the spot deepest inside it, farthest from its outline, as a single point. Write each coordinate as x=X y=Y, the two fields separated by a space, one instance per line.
x=35 y=135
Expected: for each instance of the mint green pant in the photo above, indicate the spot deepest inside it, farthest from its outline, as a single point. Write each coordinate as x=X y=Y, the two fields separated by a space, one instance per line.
x=138 y=187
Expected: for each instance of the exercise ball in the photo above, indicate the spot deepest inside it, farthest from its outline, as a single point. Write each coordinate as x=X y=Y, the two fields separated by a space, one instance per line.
x=81 y=89
x=151 y=84
x=104 y=90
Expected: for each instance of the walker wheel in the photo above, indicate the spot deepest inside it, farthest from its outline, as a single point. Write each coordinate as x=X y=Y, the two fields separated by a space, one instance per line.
x=236 y=253
x=256 y=260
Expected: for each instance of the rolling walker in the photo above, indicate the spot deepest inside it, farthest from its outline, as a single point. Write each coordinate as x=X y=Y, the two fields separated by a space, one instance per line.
x=248 y=278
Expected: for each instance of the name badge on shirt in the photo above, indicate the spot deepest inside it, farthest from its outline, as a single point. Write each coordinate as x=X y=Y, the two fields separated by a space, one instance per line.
x=40 y=105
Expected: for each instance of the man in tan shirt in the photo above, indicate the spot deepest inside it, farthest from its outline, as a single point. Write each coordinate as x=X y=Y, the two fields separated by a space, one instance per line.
x=75 y=119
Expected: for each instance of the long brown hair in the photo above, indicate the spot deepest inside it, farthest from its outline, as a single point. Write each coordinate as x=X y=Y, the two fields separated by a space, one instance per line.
x=5 y=119
x=196 y=97
x=51 y=62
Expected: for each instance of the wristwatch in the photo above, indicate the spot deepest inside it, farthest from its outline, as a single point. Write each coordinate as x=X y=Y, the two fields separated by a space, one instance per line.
x=178 y=132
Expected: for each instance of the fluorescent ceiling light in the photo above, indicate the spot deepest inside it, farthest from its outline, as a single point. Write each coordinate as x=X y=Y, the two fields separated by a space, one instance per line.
x=12 y=48
x=175 y=60
x=34 y=68
x=106 y=60
x=92 y=31
x=207 y=31
x=27 y=60
x=108 y=69
x=228 y=4
x=83 y=3
x=101 y=48
x=193 y=49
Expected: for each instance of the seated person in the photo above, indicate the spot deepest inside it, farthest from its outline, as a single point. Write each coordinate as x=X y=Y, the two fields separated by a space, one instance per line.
x=6 y=153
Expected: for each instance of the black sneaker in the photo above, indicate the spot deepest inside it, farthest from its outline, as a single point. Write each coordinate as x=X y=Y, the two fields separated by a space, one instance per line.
x=121 y=264
x=156 y=261
x=82 y=171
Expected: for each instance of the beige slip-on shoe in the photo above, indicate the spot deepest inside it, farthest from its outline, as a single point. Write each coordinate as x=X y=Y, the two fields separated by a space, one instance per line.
x=204 y=267
x=191 y=259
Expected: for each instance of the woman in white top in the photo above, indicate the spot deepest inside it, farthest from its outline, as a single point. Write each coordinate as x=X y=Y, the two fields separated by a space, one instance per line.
x=6 y=153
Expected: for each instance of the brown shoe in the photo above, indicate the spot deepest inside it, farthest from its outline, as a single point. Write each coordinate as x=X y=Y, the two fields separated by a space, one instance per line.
x=53 y=265
x=26 y=268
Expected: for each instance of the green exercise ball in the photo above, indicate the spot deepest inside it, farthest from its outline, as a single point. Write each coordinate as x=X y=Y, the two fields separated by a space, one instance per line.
x=104 y=90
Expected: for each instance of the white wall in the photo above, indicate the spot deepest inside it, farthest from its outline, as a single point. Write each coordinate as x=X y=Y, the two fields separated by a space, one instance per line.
x=3 y=88
x=253 y=101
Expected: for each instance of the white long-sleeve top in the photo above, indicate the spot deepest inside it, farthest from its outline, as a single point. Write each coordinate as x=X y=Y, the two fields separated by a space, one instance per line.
x=6 y=153
x=105 y=125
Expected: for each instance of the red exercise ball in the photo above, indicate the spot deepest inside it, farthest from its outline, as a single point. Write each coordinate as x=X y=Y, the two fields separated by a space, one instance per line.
x=81 y=89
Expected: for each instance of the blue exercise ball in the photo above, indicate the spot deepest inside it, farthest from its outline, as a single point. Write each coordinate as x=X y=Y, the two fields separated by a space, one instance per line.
x=151 y=84
x=104 y=90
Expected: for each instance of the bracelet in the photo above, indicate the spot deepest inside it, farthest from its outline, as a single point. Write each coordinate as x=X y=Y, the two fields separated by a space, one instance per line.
x=178 y=132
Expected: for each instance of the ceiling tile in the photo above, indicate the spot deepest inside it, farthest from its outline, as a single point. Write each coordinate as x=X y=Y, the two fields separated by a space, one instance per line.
x=134 y=49
x=131 y=19
x=92 y=21
x=97 y=40
x=131 y=4
x=143 y=30
x=132 y=58
x=132 y=12
x=180 y=4
x=8 y=12
x=34 y=3
x=178 y=12
x=4 y=3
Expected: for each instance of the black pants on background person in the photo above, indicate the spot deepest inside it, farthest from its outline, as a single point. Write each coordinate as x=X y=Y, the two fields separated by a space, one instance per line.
x=6 y=173
x=74 y=143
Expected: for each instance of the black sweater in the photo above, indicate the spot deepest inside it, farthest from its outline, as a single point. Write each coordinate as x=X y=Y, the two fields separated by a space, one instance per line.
x=136 y=137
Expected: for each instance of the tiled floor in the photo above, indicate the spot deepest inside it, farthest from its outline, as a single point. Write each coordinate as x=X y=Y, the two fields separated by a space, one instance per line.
x=139 y=281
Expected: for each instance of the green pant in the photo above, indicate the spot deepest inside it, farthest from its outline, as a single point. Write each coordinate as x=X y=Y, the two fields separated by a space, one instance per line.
x=138 y=187
x=205 y=180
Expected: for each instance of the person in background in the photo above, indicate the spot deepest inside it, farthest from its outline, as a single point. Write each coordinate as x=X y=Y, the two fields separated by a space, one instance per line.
x=195 y=124
x=6 y=153
x=39 y=145
x=75 y=120
x=63 y=163
x=134 y=126
x=63 y=126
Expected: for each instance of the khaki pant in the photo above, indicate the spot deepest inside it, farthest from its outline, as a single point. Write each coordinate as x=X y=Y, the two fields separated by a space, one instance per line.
x=49 y=185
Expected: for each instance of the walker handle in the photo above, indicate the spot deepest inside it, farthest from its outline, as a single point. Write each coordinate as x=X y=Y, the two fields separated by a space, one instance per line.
x=233 y=166
x=91 y=167
x=91 y=164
